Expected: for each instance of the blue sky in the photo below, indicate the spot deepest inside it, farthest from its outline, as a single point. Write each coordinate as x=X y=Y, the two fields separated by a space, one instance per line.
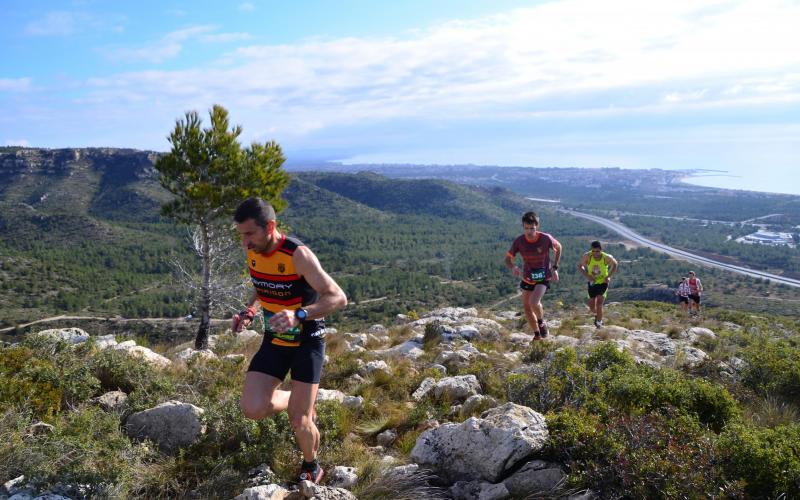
x=707 y=84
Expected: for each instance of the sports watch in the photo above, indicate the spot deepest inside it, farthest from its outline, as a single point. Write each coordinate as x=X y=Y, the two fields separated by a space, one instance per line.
x=301 y=314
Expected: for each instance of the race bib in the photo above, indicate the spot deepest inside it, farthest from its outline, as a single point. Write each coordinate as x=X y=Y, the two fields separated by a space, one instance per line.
x=537 y=275
x=291 y=335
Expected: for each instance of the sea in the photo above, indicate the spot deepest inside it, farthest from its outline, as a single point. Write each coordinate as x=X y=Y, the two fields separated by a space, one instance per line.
x=768 y=179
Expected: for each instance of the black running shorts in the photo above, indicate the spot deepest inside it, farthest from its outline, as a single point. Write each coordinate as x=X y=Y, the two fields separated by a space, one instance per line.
x=695 y=298
x=597 y=289
x=527 y=286
x=304 y=361
x=683 y=299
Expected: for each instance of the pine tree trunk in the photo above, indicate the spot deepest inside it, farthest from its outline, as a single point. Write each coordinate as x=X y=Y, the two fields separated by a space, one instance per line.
x=201 y=341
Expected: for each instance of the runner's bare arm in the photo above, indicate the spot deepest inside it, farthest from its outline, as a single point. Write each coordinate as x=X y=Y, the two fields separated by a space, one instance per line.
x=557 y=249
x=509 y=261
x=331 y=296
x=612 y=265
x=582 y=266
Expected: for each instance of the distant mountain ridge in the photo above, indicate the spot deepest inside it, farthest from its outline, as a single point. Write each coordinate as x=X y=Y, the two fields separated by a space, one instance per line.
x=91 y=218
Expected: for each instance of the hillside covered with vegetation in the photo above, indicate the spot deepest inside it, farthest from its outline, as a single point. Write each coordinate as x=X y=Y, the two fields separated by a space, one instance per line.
x=80 y=234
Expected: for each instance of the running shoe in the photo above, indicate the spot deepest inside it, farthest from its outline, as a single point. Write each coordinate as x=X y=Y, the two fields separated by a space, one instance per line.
x=536 y=336
x=315 y=476
x=598 y=323
x=543 y=329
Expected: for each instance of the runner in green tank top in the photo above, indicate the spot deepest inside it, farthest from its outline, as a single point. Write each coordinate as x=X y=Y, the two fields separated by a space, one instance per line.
x=597 y=267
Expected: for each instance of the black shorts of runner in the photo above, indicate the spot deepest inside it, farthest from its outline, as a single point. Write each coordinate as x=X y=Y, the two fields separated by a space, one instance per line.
x=695 y=298
x=683 y=299
x=529 y=287
x=304 y=361
x=597 y=289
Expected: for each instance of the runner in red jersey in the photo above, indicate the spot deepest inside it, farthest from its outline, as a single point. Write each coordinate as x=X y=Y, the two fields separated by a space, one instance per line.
x=695 y=290
x=537 y=272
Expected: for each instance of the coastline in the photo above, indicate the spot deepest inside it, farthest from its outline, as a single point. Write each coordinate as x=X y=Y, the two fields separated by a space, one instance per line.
x=723 y=179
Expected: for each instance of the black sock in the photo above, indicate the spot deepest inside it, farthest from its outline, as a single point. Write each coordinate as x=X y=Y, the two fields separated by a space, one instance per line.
x=540 y=321
x=310 y=466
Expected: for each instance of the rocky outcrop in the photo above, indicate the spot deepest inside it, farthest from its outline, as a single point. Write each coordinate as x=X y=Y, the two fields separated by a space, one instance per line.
x=70 y=335
x=484 y=448
x=171 y=425
x=450 y=388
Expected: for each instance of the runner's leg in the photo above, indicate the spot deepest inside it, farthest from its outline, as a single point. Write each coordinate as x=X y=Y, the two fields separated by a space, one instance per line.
x=301 y=409
x=530 y=316
x=261 y=396
x=598 y=301
x=536 y=301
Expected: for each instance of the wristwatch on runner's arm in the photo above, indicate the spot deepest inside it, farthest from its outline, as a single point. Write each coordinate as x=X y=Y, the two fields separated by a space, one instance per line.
x=301 y=314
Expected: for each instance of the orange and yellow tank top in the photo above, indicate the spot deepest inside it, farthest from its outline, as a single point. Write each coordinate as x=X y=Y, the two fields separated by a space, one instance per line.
x=279 y=287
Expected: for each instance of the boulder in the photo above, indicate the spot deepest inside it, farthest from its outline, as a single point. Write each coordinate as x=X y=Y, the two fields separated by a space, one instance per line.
x=376 y=366
x=171 y=425
x=482 y=448
x=105 y=341
x=477 y=402
x=386 y=438
x=697 y=334
x=188 y=354
x=534 y=477
x=265 y=492
x=456 y=388
x=339 y=396
x=342 y=477
x=378 y=330
x=145 y=354
x=112 y=402
x=317 y=492
x=479 y=490
x=409 y=349
x=424 y=387
x=70 y=335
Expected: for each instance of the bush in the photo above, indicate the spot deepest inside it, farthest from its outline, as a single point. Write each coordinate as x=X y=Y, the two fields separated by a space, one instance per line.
x=605 y=355
x=46 y=384
x=647 y=456
x=773 y=368
x=644 y=390
x=85 y=447
x=767 y=459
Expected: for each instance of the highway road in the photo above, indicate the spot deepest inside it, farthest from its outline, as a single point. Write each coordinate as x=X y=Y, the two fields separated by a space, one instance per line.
x=682 y=254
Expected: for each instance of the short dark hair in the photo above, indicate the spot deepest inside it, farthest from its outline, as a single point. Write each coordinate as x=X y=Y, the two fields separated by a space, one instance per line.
x=530 y=218
x=596 y=244
x=256 y=209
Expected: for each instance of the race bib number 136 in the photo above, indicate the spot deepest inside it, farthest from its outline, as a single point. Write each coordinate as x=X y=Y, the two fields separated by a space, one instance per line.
x=537 y=275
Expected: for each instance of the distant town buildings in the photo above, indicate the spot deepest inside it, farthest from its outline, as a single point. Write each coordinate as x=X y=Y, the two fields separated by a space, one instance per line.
x=768 y=238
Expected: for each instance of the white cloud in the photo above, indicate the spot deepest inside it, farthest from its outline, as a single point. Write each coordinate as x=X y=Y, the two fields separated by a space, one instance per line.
x=171 y=45
x=15 y=84
x=247 y=7
x=225 y=37
x=57 y=23
x=570 y=59
x=17 y=142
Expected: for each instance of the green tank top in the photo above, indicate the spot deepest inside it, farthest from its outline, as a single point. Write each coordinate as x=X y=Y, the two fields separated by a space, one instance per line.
x=597 y=269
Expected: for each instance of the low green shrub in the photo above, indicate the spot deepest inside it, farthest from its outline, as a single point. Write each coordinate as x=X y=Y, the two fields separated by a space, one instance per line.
x=646 y=456
x=768 y=460
x=773 y=368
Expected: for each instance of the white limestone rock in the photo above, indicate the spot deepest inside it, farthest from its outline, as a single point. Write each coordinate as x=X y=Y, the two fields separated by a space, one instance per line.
x=537 y=476
x=479 y=490
x=70 y=335
x=343 y=477
x=264 y=492
x=143 y=353
x=482 y=448
x=171 y=425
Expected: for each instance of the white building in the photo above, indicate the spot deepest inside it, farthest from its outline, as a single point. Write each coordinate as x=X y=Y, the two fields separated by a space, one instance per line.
x=768 y=238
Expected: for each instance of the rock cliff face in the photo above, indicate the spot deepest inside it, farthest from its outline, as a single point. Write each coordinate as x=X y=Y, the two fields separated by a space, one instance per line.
x=20 y=161
x=100 y=182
